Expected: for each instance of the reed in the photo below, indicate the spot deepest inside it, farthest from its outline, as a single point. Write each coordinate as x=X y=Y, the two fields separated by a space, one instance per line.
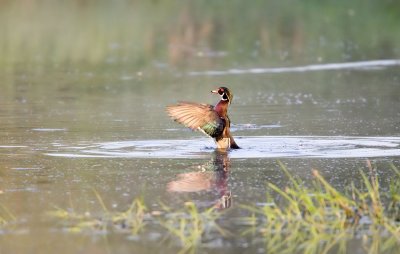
x=190 y=225
x=299 y=218
x=131 y=220
x=320 y=219
x=6 y=216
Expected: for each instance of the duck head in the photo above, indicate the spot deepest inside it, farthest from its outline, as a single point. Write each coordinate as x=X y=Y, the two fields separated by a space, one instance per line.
x=225 y=94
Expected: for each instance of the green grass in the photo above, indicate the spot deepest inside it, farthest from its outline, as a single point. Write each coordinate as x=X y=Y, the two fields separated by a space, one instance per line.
x=190 y=225
x=132 y=220
x=6 y=216
x=322 y=219
x=294 y=219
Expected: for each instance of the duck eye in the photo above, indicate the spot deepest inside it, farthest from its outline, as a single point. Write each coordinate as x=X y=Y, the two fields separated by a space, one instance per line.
x=220 y=92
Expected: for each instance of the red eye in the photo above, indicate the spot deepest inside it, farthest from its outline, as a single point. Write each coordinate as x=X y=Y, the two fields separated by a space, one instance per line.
x=220 y=91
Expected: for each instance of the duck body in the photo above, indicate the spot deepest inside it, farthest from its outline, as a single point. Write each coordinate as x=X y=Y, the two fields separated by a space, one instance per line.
x=211 y=120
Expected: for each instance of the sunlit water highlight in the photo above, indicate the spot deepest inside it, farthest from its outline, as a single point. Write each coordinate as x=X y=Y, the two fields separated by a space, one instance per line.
x=252 y=147
x=362 y=65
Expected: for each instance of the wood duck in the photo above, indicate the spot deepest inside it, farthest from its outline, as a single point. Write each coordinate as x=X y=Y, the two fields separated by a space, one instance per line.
x=211 y=120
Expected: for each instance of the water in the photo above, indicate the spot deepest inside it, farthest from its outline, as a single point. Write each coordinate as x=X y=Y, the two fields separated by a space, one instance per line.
x=82 y=111
x=252 y=147
x=109 y=134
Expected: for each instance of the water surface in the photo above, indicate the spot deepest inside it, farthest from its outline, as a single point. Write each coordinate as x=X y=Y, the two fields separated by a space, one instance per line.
x=83 y=91
x=109 y=134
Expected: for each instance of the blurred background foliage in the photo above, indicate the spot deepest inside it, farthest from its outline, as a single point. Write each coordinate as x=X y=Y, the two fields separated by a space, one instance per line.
x=197 y=34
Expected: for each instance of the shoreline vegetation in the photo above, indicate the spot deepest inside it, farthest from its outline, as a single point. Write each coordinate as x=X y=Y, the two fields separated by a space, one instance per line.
x=293 y=219
x=197 y=34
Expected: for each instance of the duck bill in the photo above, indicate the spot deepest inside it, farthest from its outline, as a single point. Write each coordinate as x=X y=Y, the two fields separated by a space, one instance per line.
x=214 y=91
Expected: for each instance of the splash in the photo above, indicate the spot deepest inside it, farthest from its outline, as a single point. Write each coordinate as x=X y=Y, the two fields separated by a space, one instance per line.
x=252 y=147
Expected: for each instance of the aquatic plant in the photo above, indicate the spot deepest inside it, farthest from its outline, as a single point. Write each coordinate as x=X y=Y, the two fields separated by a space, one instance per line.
x=133 y=219
x=297 y=218
x=320 y=219
x=394 y=195
x=190 y=225
x=6 y=215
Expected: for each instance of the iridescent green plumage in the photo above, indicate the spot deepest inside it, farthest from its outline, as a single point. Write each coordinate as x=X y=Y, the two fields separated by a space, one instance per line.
x=214 y=128
x=212 y=121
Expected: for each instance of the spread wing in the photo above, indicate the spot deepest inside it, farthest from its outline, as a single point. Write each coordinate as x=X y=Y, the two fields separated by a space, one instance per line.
x=197 y=116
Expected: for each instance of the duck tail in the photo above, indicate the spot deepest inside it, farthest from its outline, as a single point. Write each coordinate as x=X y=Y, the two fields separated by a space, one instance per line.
x=233 y=143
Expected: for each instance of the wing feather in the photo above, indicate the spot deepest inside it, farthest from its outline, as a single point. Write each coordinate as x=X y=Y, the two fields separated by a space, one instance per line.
x=197 y=116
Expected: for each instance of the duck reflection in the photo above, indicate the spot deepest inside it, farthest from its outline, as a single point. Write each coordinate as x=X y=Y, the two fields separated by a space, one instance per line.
x=212 y=176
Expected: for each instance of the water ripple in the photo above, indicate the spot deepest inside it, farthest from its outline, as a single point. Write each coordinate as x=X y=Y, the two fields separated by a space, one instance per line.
x=252 y=147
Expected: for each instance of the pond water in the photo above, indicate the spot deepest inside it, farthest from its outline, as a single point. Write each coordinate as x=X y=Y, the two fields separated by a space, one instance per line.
x=83 y=127
x=67 y=133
